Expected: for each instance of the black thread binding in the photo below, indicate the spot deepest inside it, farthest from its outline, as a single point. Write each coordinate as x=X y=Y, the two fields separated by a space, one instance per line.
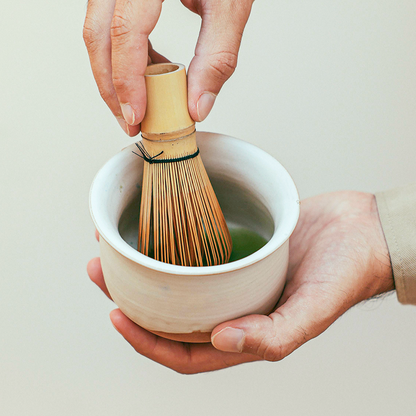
x=152 y=159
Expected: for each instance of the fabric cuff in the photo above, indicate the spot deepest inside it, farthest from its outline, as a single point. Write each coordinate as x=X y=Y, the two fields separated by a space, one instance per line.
x=397 y=211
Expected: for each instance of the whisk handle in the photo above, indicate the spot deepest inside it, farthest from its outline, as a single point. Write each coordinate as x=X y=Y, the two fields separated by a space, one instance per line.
x=167 y=100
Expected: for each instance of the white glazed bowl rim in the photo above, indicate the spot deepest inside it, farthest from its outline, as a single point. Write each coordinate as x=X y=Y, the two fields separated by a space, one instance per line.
x=122 y=247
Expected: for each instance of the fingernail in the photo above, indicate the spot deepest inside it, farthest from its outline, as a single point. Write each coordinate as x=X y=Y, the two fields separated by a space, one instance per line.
x=123 y=125
x=128 y=113
x=204 y=105
x=229 y=339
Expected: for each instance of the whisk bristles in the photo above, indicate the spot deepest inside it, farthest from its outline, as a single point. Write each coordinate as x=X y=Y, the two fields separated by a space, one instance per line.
x=181 y=221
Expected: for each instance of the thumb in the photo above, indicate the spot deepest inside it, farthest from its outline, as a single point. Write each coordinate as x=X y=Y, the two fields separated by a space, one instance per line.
x=216 y=53
x=275 y=336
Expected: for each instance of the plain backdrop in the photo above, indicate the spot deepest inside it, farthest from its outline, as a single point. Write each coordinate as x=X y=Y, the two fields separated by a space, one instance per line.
x=327 y=87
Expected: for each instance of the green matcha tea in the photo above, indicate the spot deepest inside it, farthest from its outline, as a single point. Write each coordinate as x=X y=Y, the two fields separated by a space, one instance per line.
x=249 y=222
x=245 y=242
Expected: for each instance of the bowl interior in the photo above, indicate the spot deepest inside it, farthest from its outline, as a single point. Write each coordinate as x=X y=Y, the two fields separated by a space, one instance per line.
x=250 y=223
x=255 y=192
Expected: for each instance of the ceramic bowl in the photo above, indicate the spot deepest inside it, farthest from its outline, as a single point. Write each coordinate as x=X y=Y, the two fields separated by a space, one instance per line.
x=185 y=303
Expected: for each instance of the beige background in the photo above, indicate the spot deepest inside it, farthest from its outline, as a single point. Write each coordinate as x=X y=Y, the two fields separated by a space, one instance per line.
x=327 y=87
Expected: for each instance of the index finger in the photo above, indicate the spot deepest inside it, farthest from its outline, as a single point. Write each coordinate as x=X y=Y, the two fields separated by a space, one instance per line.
x=182 y=357
x=132 y=23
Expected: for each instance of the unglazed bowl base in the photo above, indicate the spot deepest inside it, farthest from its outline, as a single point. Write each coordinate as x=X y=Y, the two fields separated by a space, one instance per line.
x=194 y=337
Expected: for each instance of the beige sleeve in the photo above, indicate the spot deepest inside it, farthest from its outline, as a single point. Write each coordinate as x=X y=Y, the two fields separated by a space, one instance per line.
x=397 y=210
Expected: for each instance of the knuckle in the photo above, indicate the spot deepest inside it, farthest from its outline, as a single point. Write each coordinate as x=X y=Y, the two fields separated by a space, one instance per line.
x=273 y=352
x=91 y=33
x=223 y=64
x=302 y=335
x=120 y=27
x=120 y=82
x=270 y=348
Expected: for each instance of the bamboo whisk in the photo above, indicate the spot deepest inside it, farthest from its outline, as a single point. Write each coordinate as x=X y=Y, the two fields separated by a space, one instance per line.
x=180 y=217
